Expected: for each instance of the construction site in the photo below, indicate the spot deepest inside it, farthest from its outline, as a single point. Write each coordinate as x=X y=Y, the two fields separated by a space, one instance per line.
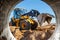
x=26 y=27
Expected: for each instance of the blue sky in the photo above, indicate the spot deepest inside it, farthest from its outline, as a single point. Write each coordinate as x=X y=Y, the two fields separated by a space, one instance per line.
x=39 y=5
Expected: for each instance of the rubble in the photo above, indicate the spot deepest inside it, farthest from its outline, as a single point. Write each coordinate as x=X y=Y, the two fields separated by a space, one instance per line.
x=41 y=33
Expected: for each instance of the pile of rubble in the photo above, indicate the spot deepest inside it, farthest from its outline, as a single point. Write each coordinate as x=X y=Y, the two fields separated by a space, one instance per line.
x=41 y=33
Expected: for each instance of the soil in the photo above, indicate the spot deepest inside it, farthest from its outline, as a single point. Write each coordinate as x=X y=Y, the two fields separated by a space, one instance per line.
x=41 y=33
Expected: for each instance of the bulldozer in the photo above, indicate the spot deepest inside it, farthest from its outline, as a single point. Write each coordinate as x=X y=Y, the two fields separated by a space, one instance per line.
x=24 y=22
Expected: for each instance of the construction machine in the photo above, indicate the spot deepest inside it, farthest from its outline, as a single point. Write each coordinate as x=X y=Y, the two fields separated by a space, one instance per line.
x=25 y=22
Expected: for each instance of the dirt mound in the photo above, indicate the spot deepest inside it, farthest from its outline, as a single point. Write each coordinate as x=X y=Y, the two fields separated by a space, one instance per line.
x=41 y=33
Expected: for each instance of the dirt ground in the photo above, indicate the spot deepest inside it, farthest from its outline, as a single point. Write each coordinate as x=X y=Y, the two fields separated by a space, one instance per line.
x=41 y=33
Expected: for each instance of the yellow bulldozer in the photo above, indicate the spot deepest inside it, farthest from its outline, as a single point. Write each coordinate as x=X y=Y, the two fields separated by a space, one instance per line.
x=25 y=22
